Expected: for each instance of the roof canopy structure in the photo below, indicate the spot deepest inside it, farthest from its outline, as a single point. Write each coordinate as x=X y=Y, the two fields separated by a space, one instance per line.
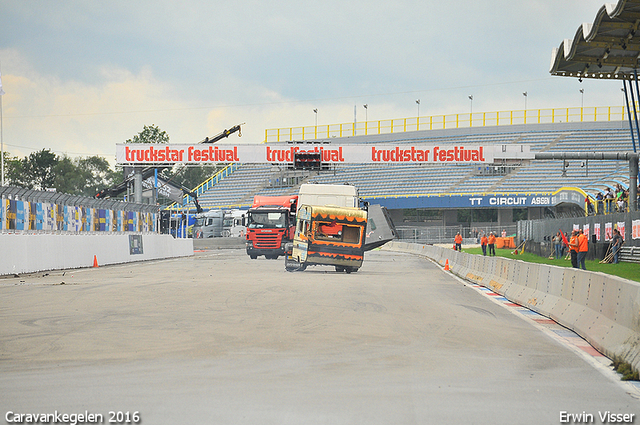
x=607 y=49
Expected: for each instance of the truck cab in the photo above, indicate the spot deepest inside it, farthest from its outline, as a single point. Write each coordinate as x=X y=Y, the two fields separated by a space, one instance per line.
x=234 y=224
x=208 y=224
x=270 y=223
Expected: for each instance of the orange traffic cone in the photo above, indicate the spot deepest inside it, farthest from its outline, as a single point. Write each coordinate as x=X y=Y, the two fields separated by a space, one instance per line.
x=95 y=261
x=446 y=265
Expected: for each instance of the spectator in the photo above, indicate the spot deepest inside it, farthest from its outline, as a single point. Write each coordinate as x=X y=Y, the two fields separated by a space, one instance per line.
x=458 y=242
x=621 y=204
x=616 y=242
x=587 y=201
x=608 y=199
x=583 y=249
x=599 y=203
x=491 y=243
x=483 y=244
x=573 y=249
x=557 y=244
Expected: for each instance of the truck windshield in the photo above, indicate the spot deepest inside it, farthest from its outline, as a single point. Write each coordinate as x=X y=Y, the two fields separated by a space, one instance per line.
x=265 y=219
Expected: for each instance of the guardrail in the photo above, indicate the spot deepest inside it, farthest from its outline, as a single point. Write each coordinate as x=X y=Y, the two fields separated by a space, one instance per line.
x=441 y=122
x=602 y=309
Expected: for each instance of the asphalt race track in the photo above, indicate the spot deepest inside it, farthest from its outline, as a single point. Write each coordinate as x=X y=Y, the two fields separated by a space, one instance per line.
x=221 y=339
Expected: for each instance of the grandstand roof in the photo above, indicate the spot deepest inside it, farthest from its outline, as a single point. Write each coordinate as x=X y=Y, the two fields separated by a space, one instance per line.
x=607 y=49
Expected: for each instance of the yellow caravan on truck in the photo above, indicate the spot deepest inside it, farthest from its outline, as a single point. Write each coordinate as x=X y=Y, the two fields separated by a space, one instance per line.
x=328 y=235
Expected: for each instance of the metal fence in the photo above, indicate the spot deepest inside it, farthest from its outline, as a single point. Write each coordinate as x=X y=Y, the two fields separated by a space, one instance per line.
x=445 y=234
x=24 y=210
x=598 y=226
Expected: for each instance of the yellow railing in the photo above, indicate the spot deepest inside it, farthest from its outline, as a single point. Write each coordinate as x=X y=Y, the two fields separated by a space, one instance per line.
x=439 y=122
x=205 y=185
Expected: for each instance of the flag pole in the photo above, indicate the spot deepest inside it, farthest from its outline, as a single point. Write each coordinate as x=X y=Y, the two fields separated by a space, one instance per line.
x=1 y=137
x=1 y=141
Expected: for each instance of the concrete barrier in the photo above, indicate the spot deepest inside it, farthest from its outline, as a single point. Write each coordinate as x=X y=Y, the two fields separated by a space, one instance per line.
x=26 y=253
x=603 y=309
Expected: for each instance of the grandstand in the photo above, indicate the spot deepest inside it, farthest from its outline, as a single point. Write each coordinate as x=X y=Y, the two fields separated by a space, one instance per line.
x=440 y=186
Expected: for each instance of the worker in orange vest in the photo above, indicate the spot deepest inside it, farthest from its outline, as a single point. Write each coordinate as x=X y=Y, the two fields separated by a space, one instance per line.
x=573 y=249
x=483 y=244
x=492 y=244
x=458 y=242
x=583 y=249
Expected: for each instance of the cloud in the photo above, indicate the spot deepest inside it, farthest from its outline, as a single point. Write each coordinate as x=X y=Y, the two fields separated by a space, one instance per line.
x=81 y=77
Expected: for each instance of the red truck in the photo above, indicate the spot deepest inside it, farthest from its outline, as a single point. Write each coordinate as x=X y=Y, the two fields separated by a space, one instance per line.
x=270 y=225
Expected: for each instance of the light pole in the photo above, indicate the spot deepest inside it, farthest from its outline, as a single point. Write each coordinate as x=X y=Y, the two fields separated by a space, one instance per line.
x=315 y=132
x=471 y=99
x=366 y=118
x=581 y=98
x=418 y=103
x=525 y=94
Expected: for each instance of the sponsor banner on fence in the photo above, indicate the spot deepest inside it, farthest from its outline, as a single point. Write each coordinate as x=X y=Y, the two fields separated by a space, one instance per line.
x=147 y=153
x=635 y=225
x=621 y=226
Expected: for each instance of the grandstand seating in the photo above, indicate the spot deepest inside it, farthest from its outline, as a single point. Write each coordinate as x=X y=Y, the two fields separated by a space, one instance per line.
x=413 y=180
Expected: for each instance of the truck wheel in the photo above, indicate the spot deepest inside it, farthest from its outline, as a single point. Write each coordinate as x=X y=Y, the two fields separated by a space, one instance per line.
x=339 y=269
x=253 y=257
x=293 y=265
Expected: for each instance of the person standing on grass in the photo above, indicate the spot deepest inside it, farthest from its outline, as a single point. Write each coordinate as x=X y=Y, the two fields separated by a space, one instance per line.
x=616 y=243
x=573 y=249
x=483 y=244
x=583 y=249
x=491 y=243
x=557 y=244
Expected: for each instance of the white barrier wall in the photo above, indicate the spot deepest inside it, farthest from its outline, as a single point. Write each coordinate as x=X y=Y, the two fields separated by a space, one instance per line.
x=603 y=309
x=26 y=253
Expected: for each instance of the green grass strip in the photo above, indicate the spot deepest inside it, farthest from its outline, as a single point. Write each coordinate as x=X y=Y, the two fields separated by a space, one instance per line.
x=629 y=271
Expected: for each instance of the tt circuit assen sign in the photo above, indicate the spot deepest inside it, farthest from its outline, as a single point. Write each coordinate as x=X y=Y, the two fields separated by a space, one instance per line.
x=488 y=200
x=132 y=154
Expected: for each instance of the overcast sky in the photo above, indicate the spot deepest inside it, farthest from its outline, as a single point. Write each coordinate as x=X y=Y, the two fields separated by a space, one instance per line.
x=81 y=76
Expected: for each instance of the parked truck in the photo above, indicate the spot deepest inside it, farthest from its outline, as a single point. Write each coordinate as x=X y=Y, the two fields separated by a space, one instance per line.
x=234 y=224
x=208 y=224
x=270 y=225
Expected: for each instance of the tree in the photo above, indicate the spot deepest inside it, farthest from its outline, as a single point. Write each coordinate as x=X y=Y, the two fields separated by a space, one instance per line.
x=14 y=171
x=38 y=168
x=150 y=134
x=44 y=169
x=84 y=176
